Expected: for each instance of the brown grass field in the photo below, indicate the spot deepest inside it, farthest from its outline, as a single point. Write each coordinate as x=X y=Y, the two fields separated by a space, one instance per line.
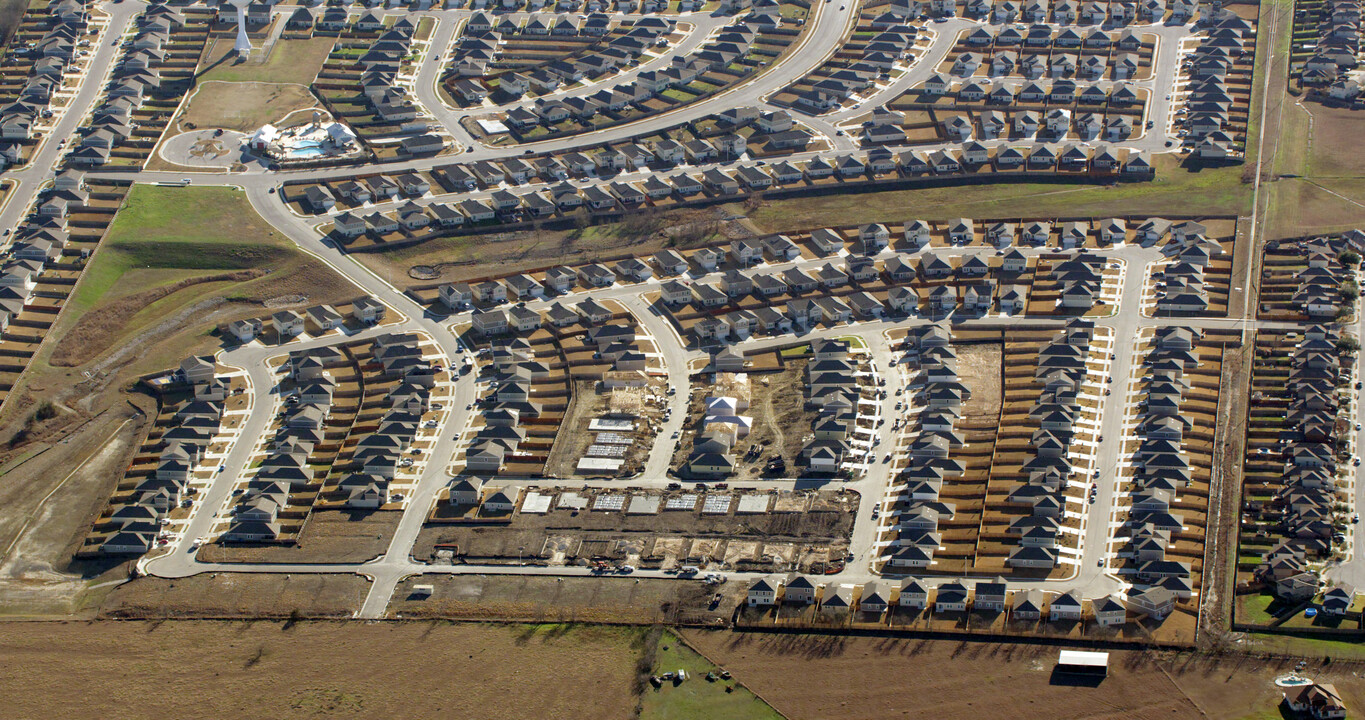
x=243 y=595
x=329 y=536
x=1175 y=191
x=290 y=61
x=809 y=677
x=244 y=106
x=132 y=670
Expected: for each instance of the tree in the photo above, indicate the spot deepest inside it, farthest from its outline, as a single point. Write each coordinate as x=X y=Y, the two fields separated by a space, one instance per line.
x=1349 y=258
x=1348 y=344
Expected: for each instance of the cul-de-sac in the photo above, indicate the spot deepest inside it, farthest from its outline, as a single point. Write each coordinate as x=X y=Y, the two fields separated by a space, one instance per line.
x=681 y=358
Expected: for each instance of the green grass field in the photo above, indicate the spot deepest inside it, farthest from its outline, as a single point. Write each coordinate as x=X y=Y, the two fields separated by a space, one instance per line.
x=182 y=232
x=1175 y=191
x=697 y=698
x=159 y=278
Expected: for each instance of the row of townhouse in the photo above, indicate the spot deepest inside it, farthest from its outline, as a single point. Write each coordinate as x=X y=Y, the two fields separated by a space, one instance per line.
x=365 y=311
x=467 y=491
x=1304 y=510
x=39 y=243
x=1058 y=65
x=379 y=67
x=64 y=24
x=1062 y=91
x=833 y=389
x=912 y=594
x=591 y=7
x=1041 y=36
x=1208 y=110
x=1161 y=468
x=507 y=406
x=1066 y=12
x=136 y=78
x=724 y=423
x=806 y=312
x=378 y=455
x=1336 y=53
x=1180 y=286
x=730 y=45
x=285 y=470
x=1080 y=279
x=1061 y=373
x=1318 y=295
x=623 y=50
x=914 y=506
x=565 y=197
x=834 y=83
x=182 y=448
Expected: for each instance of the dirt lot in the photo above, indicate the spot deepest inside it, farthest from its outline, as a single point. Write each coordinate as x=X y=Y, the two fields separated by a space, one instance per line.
x=1214 y=191
x=866 y=678
x=237 y=595
x=547 y=599
x=618 y=534
x=330 y=536
x=979 y=368
x=36 y=577
x=308 y=670
x=781 y=420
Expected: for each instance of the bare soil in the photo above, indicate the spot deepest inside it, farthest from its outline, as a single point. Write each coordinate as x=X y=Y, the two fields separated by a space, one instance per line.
x=979 y=367
x=330 y=536
x=470 y=256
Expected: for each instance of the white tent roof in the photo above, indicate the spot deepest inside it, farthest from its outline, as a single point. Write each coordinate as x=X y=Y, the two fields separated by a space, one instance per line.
x=1077 y=657
x=266 y=134
x=340 y=134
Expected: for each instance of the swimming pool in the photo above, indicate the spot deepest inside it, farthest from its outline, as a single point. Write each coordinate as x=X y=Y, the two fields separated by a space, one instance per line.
x=305 y=151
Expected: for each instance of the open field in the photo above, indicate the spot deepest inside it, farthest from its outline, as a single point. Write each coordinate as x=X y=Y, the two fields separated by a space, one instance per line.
x=79 y=472
x=306 y=670
x=291 y=61
x=10 y=13
x=1315 y=187
x=1175 y=191
x=531 y=598
x=237 y=595
x=1312 y=182
x=468 y=256
x=866 y=678
x=244 y=106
